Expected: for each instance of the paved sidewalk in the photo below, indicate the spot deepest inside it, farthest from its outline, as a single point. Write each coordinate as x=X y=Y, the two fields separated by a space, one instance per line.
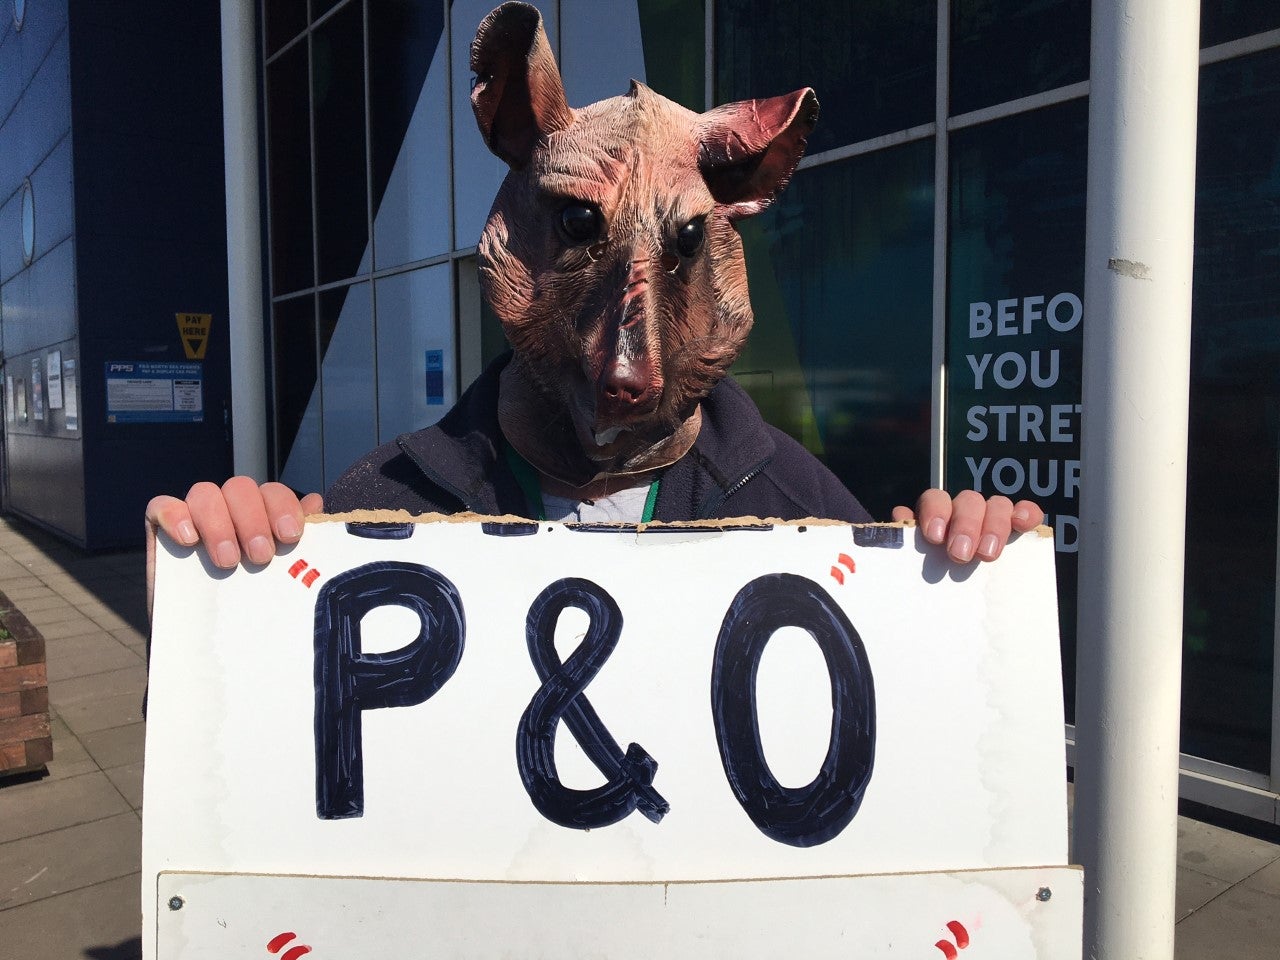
x=69 y=842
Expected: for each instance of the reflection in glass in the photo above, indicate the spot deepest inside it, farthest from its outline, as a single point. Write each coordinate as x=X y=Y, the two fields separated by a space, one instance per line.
x=1234 y=447
x=337 y=86
x=289 y=171
x=297 y=401
x=1223 y=20
x=871 y=62
x=415 y=331
x=282 y=21
x=600 y=49
x=675 y=49
x=1005 y=49
x=840 y=271
x=1014 y=323
x=347 y=377
x=408 y=114
x=477 y=173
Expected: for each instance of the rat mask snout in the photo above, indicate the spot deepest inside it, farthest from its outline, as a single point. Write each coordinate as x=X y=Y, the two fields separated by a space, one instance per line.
x=628 y=382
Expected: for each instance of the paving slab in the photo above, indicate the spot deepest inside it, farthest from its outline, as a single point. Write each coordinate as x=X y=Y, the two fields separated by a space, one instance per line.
x=70 y=758
x=86 y=655
x=100 y=922
x=1267 y=880
x=1221 y=853
x=1241 y=924
x=128 y=780
x=71 y=859
x=1193 y=891
x=29 y=809
x=116 y=746
x=77 y=626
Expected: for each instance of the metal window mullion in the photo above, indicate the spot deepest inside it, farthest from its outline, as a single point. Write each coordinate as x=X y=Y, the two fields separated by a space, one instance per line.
x=709 y=56
x=373 y=247
x=873 y=145
x=276 y=465
x=1275 y=673
x=455 y=309
x=1239 y=48
x=315 y=243
x=941 y=215
x=1046 y=98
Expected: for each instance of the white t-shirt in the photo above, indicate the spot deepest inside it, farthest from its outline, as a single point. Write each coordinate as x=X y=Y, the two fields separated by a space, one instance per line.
x=625 y=506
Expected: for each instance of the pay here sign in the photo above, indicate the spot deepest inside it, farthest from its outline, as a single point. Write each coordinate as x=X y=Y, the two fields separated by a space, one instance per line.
x=473 y=739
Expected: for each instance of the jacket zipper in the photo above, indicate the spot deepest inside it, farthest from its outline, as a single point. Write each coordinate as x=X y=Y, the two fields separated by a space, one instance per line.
x=733 y=488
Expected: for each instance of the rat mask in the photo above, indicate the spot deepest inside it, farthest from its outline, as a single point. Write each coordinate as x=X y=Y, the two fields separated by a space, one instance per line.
x=610 y=254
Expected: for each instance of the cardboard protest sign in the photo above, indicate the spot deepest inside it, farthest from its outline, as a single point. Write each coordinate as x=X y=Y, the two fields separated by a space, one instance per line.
x=519 y=740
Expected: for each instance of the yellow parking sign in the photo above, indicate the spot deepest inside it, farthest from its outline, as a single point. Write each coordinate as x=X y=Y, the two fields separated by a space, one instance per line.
x=193 y=328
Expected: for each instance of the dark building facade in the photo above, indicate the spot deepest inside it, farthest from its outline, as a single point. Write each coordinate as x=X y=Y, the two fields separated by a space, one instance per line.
x=113 y=255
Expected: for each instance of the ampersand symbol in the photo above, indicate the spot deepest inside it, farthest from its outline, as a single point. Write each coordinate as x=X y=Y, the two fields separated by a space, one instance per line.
x=630 y=775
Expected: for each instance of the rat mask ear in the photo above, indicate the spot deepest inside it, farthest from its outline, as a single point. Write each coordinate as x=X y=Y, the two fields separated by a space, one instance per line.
x=518 y=97
x=748 y=150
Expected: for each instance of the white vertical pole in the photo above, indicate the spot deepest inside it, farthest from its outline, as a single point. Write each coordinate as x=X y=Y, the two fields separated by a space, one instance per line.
x=244 y=247
x=1138 y=255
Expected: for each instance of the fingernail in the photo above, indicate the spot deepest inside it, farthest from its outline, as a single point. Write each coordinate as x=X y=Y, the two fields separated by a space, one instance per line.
x=1020 y=516
x=186 y=533
x=962 y=548
x=988 y=545
x=226 y=555
x=260 y=549
x=936 y=530
x=288 y=528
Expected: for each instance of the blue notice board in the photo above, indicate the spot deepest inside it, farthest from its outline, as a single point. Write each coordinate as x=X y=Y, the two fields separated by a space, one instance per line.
x=145 y=392
x=435 y=378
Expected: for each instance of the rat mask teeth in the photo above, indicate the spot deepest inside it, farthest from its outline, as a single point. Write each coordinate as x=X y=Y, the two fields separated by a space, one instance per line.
x=605 y=437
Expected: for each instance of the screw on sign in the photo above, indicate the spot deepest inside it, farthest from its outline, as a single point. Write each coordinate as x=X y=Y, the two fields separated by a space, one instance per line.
x=281 y=940
x=951 y=950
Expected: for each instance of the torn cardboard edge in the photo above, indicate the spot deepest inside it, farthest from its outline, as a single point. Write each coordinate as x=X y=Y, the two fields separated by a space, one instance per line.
x=731 y=523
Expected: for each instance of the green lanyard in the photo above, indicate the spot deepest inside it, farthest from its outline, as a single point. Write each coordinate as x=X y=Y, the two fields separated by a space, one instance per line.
x=531 y=486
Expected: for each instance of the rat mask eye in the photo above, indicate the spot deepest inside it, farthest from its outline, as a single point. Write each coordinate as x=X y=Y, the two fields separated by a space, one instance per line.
x=689 y=238
x=579 y=223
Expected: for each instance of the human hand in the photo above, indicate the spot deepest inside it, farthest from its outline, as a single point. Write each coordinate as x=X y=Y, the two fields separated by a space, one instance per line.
x=970 y=526
x=238 y=519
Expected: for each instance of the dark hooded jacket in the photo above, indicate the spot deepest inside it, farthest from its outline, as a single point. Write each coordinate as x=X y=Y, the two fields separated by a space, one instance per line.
x=738 y=467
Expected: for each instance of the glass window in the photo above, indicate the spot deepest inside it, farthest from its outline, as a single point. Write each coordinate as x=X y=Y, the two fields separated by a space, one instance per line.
x=477 y=173
x=408 y=115
x=1223 y=20
x=297 y=395
x=1234 y=448
x=1014 y=323
x=1005 y=49
x=347 y=377
x=289 y=171
x=600 y=49
x=337 y=86
x=417 y=378
x=320 y=7
x=872 y=64
x=675 y=49
x=840 y=270
x=282 y=21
